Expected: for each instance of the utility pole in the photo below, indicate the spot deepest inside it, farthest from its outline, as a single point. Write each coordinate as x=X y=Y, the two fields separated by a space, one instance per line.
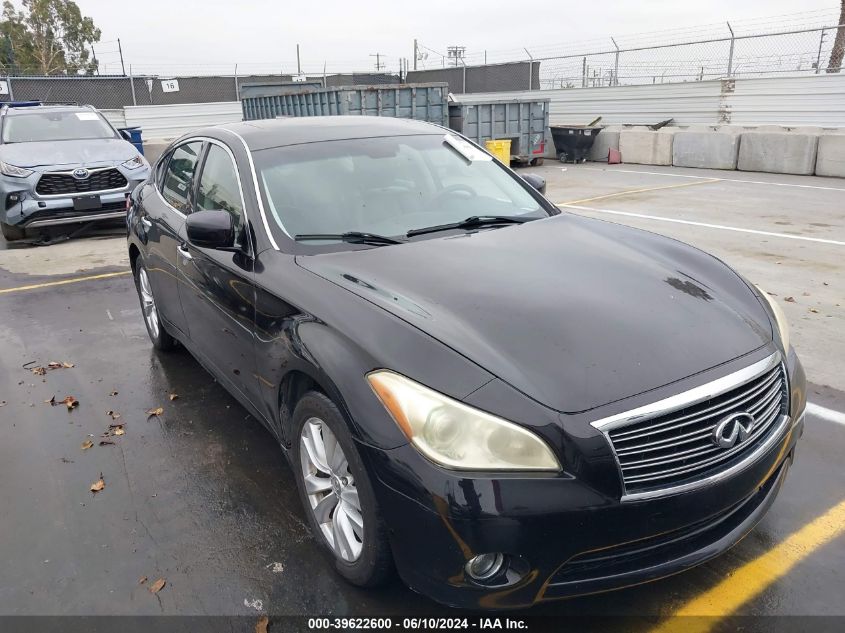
x=120 y=50
x=416 y=53
x=379 y=65
x=457 y=53
x=298 y=67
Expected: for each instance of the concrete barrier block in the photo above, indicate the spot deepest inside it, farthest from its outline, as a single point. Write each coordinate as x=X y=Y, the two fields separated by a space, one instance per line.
x=831 y=155
x=778 y=152
x=646 y=147
x=607 y=138
x=706 y=150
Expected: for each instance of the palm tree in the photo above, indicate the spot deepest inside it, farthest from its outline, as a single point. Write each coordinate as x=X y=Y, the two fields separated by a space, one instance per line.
x=835 y=64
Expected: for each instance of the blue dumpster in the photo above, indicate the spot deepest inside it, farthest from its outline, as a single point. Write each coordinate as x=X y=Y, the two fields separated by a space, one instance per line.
x=134 y=134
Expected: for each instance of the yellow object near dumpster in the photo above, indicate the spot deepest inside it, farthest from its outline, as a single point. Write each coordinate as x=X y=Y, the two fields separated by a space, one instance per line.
x=500 y=148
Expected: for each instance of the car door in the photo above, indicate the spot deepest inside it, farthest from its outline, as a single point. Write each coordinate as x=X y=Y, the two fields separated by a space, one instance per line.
x=217 y=292
x=163 y=218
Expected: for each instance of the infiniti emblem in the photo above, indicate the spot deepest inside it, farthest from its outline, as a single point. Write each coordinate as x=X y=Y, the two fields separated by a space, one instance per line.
x=733 y=429
x=80 y=173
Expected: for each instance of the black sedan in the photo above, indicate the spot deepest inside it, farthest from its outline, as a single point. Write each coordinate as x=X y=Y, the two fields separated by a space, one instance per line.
x=503 y=402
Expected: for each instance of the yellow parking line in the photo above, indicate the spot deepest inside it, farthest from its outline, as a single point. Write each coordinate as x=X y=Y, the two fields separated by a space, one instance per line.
x=47 y=284
x=750 y=580
x=644 y=190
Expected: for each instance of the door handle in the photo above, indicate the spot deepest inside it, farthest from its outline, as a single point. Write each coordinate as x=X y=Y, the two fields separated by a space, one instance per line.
x=147 y=223
x=183 y=251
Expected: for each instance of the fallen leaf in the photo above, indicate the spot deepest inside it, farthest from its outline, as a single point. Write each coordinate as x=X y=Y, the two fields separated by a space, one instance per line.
x=158 y=585
x=114 y=415
x=789 y=299
x=261 y=625
x=51 y=401
x=3 y=403
x=38 y=371
x=98 y=485
x=113 y=393
x=70 y=402
x=86 y=445
x=53 y=364
x=174 y=396
x=67 y=365
x=814 y=310
x=156 y=411
x=825 y=283
x=142 y=580
x=106 y=442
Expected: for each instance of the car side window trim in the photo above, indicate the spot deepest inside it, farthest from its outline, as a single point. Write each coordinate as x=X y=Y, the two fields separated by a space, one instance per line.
x=159 y=185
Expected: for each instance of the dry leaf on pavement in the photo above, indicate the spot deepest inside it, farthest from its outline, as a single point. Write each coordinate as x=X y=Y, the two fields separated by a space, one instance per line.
x=814 y=310
x=158 y=585
x=86 y=445
x=51 y=401
x=70 y=402
x=38 y=371
x=106 y=442
x=67 y=365
x=156 y=411
x=789 y=299
x=98 y=485
x=142 y=580
x=3 y=403
x=113 y=393
x=118 y=430
x=54 y=364
x=174 y=396
x=114 y=415
x=261 y=625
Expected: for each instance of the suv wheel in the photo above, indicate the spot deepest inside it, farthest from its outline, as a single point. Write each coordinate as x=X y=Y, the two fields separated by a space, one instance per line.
x=12 y=233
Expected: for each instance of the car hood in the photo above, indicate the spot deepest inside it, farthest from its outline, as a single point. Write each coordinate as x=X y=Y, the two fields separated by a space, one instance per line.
x=573 y=312
x=51 y=154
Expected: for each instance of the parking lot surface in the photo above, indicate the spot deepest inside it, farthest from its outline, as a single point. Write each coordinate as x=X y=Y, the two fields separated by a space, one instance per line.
x=200 y=496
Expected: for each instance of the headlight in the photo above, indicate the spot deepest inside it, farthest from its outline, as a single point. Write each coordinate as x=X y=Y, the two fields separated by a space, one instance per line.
x=456 y=436
x=16 y=172
x=780 y=318
x=135 y=162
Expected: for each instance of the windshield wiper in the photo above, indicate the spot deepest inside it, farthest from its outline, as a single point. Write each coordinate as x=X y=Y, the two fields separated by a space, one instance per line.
x=470 y=223
x=353 y=237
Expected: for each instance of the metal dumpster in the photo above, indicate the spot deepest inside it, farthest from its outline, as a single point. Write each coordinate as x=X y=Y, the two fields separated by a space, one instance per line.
x=573 y=142
x=523 y=120
x=424 y=102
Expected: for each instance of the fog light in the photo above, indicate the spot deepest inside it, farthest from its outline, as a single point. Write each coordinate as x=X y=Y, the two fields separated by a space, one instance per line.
x=485 y=566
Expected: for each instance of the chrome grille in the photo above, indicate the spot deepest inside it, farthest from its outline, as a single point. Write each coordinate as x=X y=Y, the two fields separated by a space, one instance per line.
x=61 y=183
x=673 y=449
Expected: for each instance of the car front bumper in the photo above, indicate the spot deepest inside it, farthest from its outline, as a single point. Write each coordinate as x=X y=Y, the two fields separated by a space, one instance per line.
x=34 y=211
x=562 y=537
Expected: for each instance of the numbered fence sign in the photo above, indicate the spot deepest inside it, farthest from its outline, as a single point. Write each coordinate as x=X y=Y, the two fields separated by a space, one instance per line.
x=170 y=85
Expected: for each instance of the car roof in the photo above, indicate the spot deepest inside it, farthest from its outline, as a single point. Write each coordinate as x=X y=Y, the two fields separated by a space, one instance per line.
x=267 y=133
x=37 y=109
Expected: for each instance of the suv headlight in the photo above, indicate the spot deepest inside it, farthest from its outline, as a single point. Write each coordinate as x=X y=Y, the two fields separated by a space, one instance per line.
x=780 y=318
x=16 y=172
x=455 y=435
x=134 y=162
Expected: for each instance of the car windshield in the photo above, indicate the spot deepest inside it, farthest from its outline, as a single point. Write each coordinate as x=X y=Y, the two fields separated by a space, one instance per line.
x=56 y=125
x=386 y=186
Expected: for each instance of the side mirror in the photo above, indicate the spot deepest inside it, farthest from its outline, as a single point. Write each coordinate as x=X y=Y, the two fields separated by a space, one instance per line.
x=211 y=229
x=538 y=182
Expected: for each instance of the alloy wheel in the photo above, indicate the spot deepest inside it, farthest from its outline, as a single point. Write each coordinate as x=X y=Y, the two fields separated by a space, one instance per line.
x=148 y=303
x=331 y=489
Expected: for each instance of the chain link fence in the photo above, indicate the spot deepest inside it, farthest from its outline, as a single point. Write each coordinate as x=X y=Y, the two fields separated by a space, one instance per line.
x=782 y=53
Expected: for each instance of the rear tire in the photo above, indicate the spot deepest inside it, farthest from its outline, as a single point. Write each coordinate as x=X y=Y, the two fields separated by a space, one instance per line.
x=159 y=336
x=336 y=493
x=12 y=233
x=536 y=162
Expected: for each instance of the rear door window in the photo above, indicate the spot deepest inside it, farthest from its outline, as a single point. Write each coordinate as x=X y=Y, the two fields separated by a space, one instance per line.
x=178 y=178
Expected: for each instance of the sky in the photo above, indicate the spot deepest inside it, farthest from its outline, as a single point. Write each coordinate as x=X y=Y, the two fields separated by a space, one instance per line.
x=209 y=36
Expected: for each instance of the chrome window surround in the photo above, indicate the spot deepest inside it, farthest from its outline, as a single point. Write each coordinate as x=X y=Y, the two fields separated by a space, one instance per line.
x=81 y=193
x=685 y=399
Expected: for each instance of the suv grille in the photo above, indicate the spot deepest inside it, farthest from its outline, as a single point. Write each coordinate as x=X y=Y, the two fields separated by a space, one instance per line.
x=675 y=448
x=53 y=183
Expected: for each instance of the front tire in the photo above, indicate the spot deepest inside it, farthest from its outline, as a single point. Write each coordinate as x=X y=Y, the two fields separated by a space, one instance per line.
x=336 y=493
x=160 y=338
x=12 y=233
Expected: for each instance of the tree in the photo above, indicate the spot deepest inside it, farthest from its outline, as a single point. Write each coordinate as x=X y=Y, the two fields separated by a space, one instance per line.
x=49 y=37
x=838 y=52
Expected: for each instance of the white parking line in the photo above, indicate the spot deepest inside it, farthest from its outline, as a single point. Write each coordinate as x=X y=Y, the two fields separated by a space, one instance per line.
x=742 y=180
x=826 y=414
x=721 y=227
